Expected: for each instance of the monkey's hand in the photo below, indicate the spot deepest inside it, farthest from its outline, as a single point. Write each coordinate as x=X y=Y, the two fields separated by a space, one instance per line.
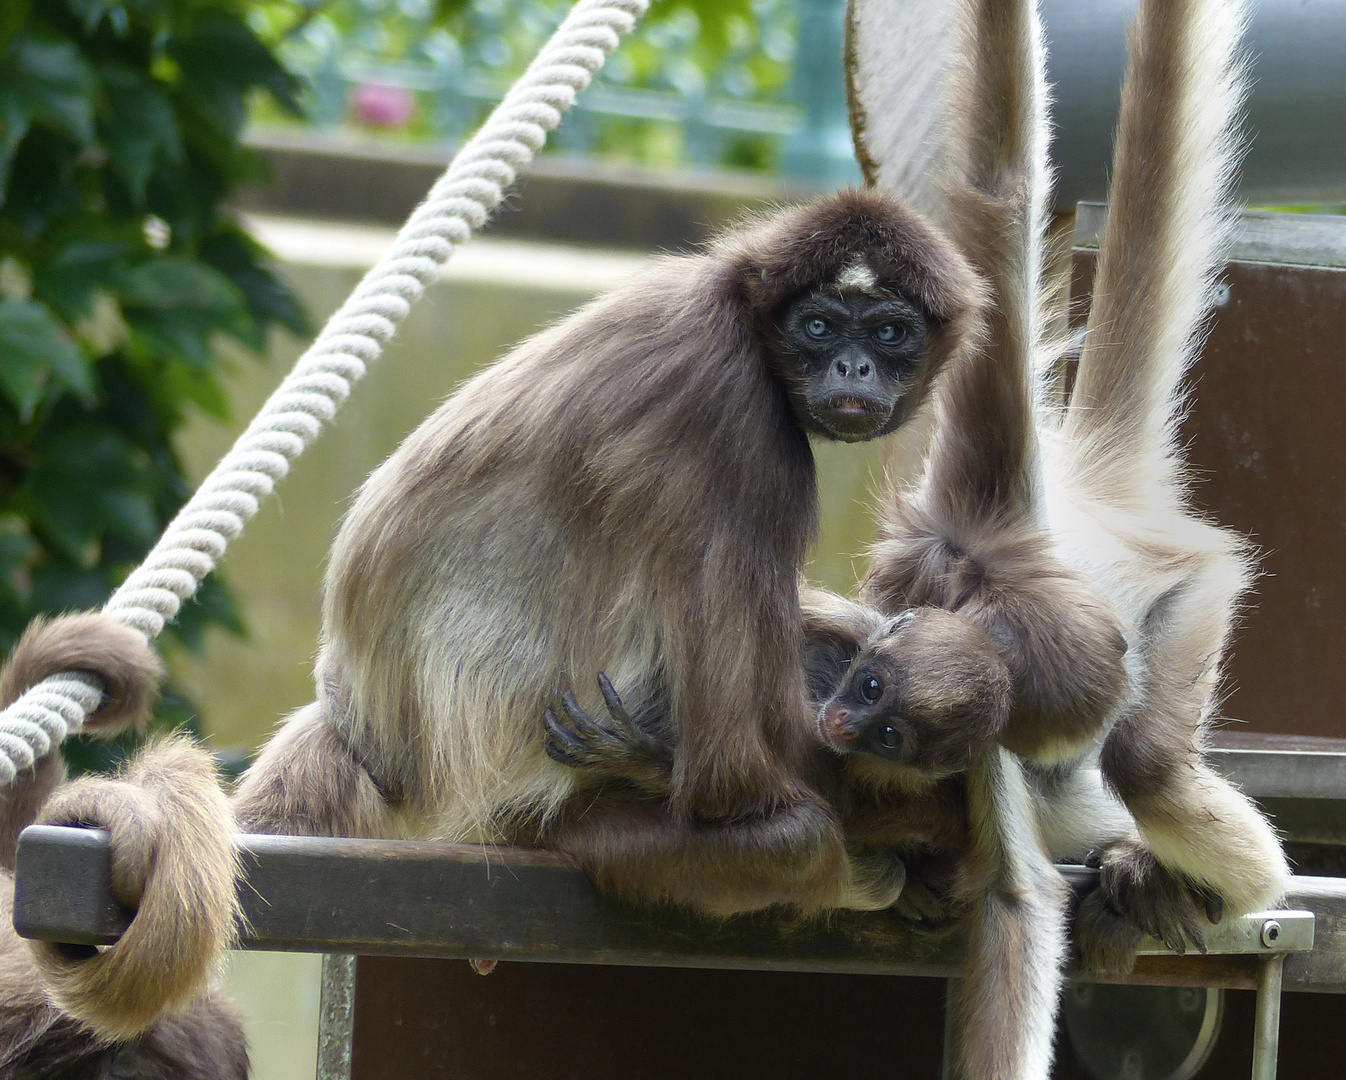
x=1138 y=895
x=618 y=750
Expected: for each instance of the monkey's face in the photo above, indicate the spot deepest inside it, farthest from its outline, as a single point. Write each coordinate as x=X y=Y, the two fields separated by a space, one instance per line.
x=929 y=692
x=854 y=361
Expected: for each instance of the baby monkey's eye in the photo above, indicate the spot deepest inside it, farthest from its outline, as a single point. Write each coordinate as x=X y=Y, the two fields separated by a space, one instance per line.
x=870 y=690
x=890 y=334
x=886 y=737
x=817 y=328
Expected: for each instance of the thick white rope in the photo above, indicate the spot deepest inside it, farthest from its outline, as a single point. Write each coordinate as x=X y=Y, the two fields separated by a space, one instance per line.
x=461 y=201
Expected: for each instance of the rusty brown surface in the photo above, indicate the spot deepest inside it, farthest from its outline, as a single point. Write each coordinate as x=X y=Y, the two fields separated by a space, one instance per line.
x=1266 y=436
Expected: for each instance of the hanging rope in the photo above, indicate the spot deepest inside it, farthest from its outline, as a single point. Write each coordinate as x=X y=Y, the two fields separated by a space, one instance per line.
x=461 y=201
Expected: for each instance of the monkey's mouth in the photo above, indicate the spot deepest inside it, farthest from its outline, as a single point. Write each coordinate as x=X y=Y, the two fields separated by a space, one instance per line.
x=848 y=416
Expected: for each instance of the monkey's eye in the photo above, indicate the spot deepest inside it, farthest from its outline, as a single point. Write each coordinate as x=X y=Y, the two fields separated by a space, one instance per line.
x=890 y=334
x=817 y=328
x=869 y=689
x=886 y=738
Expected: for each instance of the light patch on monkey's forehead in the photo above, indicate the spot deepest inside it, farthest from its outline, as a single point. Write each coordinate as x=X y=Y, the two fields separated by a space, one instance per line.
x=858 y=277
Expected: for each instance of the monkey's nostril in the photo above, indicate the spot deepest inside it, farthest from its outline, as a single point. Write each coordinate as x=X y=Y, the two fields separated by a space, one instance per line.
x=864 y=370
x=835 y=724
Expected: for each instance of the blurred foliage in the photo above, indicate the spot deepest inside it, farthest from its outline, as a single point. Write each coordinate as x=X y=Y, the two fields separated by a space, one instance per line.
x=448 y=60
x=119 y=273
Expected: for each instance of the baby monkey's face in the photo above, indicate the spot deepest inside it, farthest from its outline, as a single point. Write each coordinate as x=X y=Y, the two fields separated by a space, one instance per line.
x=929 y=691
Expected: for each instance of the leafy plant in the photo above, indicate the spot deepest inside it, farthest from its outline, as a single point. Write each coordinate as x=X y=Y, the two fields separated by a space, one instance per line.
x=119 y=272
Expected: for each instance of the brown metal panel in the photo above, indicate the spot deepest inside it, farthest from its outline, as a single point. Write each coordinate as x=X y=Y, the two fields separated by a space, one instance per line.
x=1267 y=438
x=435 y=1018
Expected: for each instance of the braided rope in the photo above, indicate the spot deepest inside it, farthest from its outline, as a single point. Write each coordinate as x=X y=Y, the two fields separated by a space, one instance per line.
x=460 y=201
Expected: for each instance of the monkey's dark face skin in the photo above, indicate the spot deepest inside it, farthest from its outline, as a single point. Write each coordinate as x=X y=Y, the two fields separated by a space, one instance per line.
x=930 y=692
x=857 y=358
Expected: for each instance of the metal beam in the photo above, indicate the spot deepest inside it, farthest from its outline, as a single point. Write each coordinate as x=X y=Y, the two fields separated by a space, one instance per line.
x=1296 y=112
x=414 y=899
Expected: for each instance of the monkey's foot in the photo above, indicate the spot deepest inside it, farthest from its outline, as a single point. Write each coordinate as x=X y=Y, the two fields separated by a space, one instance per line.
x=1138 y=895
x=877 y=880
x=616 y=750
x=927 y=901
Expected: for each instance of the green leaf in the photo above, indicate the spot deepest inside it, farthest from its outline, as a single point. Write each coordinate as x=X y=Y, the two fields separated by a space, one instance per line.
x=33 y=345
x=138 y=128
x=17 y=548
x=55 y=81
x=240 y=257
x=14 y=122
x=90 y=480
x=172 y=281
x=89 y=12
x=13 y=15
x=220 y=61
x=69 y=281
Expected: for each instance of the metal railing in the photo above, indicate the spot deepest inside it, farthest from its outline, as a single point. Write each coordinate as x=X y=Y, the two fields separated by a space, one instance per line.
x=665 y=98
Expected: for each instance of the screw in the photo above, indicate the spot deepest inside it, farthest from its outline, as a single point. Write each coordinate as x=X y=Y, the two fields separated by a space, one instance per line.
x=1271 y=932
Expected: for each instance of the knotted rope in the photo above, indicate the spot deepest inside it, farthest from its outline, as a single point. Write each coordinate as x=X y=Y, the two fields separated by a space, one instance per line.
x=461 y=201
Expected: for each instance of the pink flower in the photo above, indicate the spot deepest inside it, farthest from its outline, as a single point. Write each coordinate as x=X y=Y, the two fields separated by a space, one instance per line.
x=382 y=106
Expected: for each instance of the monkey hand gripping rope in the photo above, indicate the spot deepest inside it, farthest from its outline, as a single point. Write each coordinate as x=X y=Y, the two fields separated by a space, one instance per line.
x=460 y=202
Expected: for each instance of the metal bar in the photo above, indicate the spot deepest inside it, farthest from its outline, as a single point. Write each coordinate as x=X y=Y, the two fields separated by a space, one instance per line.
x=948 y=1069
x=336 y=1017
x=1295 y=111
x=413 y=899
x=1301 y=767
x=1267 y=1025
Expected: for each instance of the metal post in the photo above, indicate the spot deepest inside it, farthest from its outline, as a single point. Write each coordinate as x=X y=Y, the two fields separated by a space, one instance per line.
x=821 y=151
x=949 y=1067
x=1267 y=1026
x=336 y=1017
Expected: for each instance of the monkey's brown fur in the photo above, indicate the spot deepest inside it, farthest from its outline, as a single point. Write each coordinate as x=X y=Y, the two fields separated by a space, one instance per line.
x=631 y=491
x=39 y=1038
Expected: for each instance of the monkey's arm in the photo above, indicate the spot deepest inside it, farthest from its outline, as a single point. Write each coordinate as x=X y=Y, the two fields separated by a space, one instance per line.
x=1201 y=846
x=971 y=537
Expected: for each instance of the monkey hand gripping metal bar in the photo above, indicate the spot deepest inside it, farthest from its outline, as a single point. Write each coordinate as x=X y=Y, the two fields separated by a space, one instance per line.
x=459 y=203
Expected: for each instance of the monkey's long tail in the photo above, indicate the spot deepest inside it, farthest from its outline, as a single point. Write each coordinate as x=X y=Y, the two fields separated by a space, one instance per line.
x=1176 y=155
x=461 y=201
x=1007 y=1001
x=984 y=460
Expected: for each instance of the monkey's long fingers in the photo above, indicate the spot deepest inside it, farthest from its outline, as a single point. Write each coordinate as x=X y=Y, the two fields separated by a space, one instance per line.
x=563 y=746
x=633 y=734
x=582 y=724
x=614 y=703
